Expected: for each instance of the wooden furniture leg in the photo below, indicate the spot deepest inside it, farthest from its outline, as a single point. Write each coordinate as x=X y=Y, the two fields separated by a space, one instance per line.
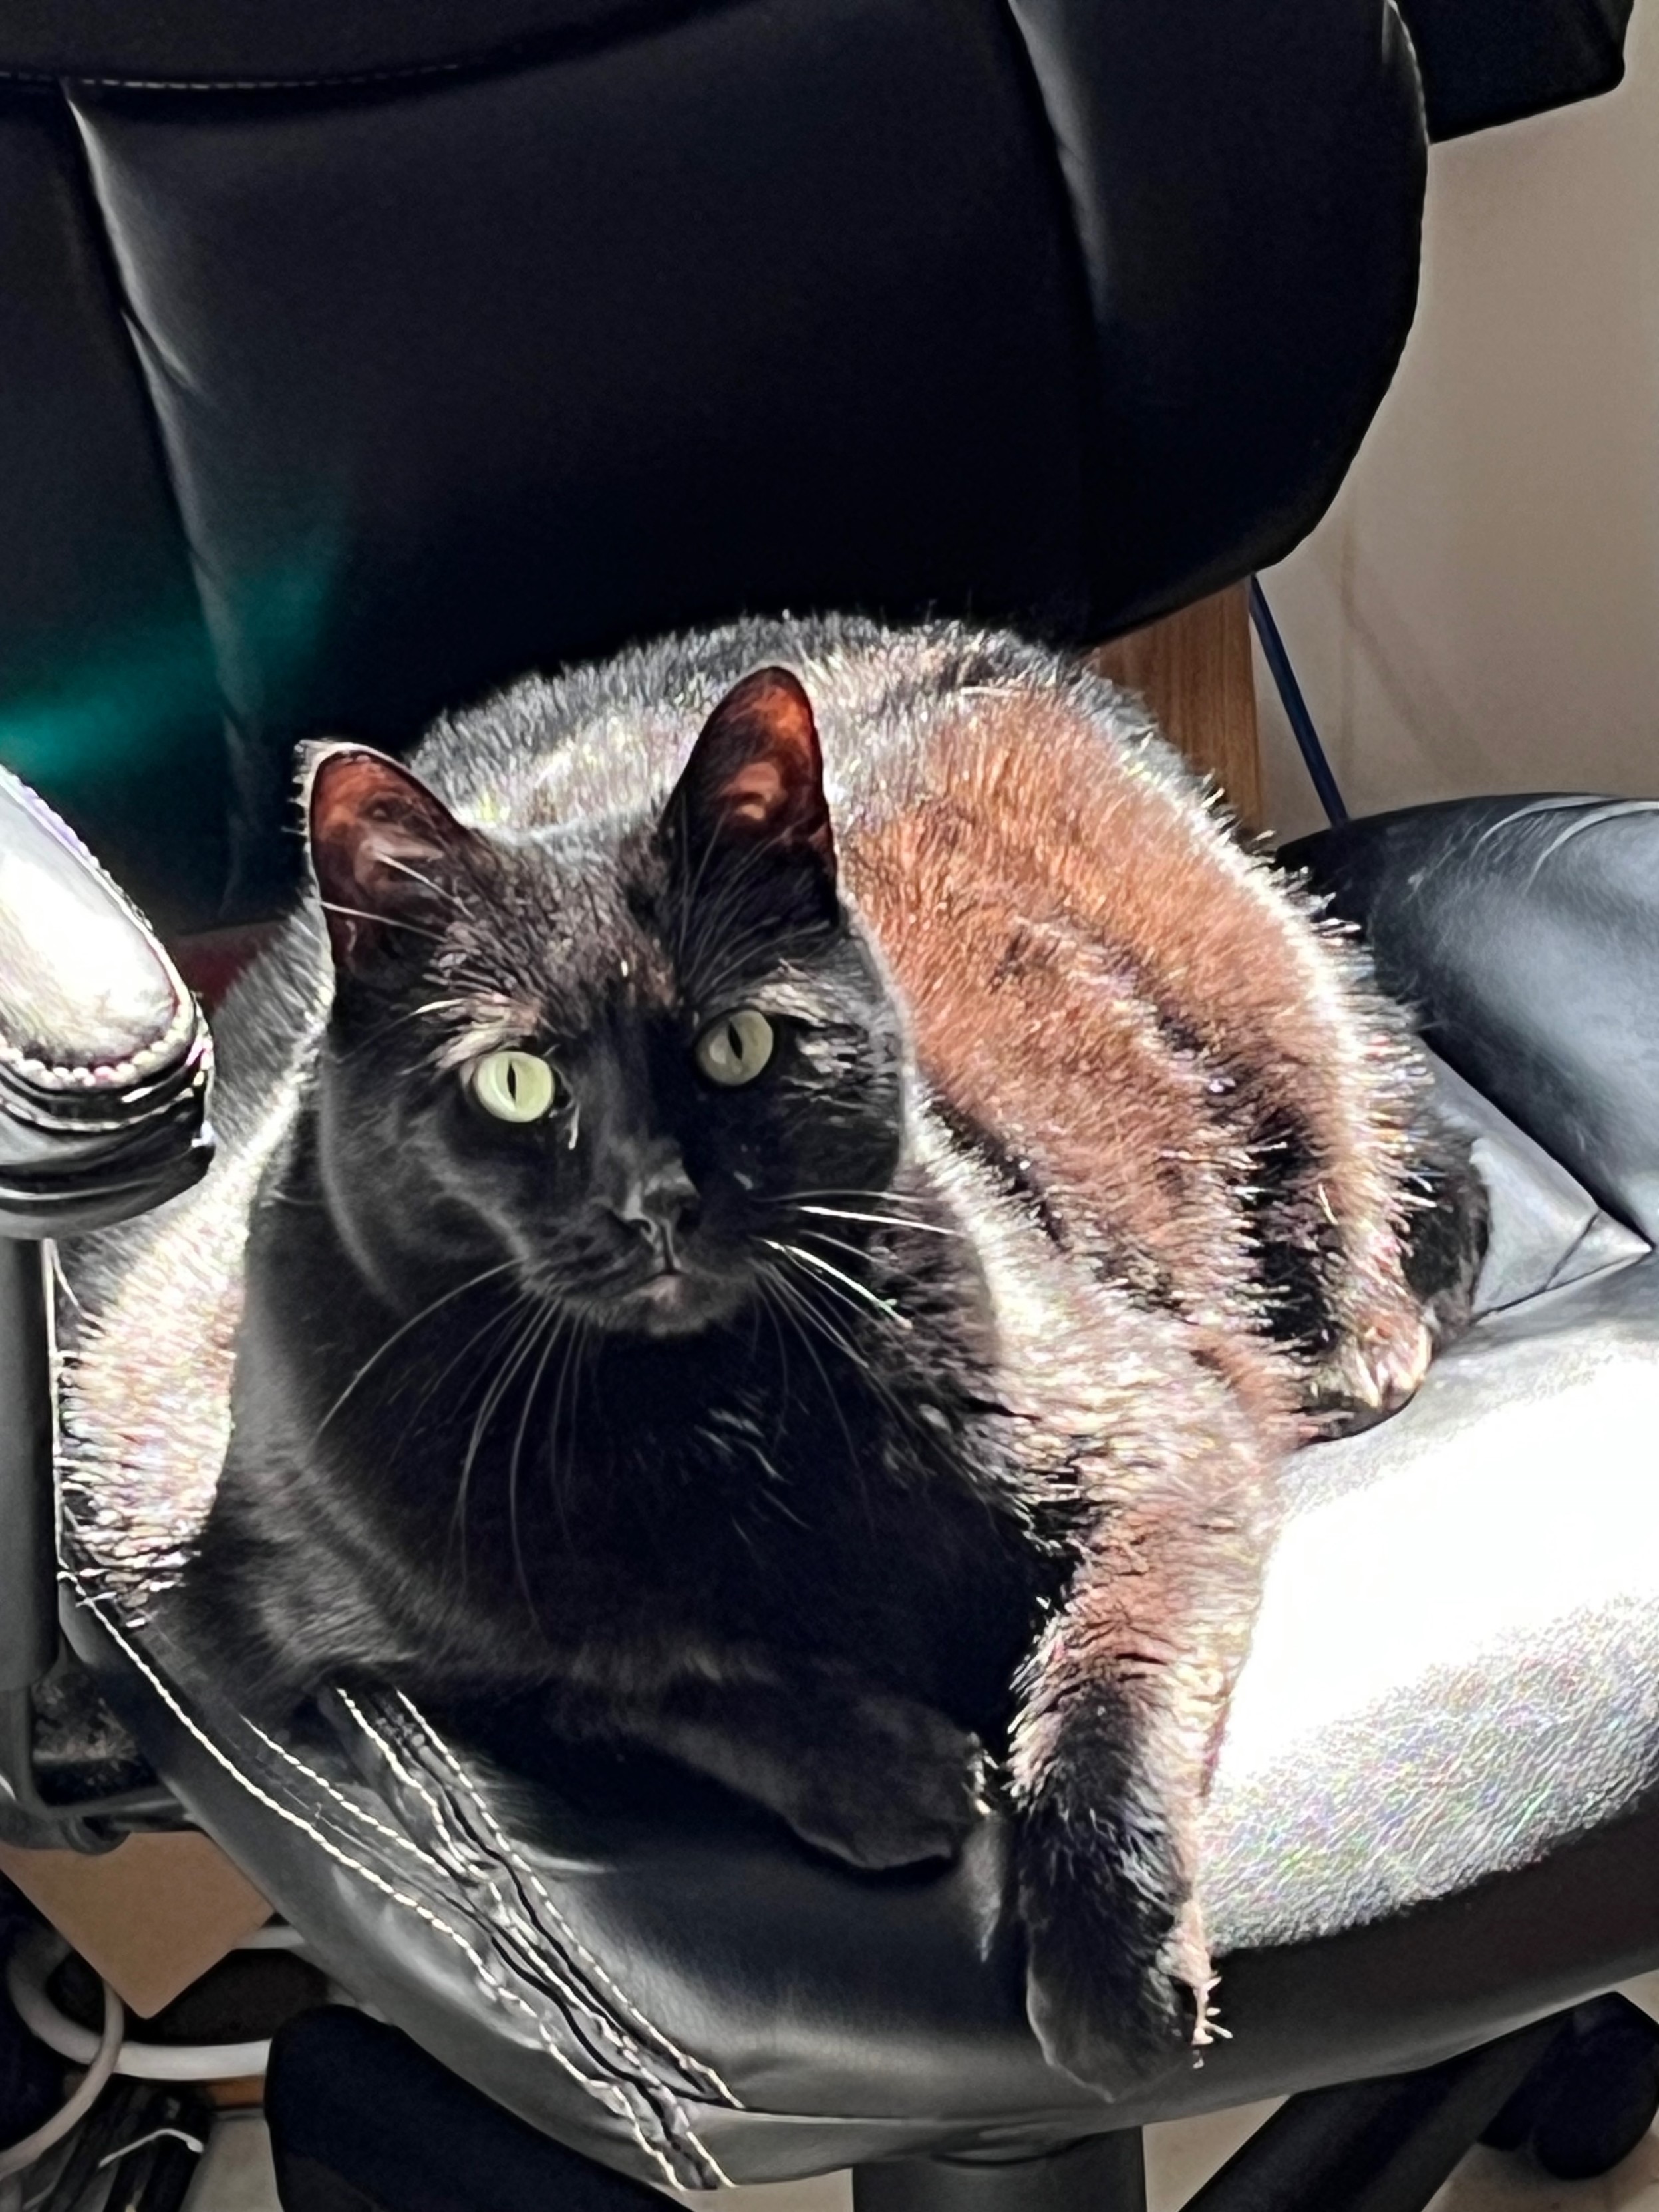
x=1194 y=670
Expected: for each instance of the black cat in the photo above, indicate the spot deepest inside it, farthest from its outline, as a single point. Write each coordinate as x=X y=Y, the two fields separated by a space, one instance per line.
x=821 y=1283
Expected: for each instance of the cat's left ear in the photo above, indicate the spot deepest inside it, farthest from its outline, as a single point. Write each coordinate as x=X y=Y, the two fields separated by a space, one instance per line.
x=754 y=784
x=388 y=854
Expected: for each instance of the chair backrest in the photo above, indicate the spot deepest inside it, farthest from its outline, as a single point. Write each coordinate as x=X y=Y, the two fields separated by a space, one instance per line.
x=356 y=360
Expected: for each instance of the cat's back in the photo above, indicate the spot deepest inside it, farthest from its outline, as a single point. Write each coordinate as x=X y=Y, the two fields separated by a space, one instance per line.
x=1140 y=1020
x=1053 y=891
x=901 y=713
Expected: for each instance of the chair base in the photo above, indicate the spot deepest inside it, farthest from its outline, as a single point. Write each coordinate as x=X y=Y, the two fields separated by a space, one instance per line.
x=361 y=2117
x=1382 y=2146
x=1103 y=2173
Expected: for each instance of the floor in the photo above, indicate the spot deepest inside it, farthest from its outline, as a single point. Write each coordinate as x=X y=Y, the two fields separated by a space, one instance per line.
x=1181 y=2156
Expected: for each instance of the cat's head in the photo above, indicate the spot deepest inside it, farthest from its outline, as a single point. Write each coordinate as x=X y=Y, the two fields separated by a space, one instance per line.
x=609 y=1057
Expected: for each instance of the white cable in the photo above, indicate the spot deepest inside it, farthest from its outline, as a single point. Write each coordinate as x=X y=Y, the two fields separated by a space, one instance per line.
x=275 y=1935
x=26 y=1978
x=103 y=2051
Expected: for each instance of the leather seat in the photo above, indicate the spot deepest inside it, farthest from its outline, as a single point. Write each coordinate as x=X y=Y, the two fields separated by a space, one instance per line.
x=1433 y=1816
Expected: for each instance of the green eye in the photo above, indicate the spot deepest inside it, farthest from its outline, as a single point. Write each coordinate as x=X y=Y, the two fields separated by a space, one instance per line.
x=735 y=1049
x=514 y=1087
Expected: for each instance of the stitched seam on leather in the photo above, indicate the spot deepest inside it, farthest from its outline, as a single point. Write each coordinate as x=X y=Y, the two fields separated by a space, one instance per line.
x=458 y=1844
x=159 y=1050
x=515 y=1914
x=683 y=2057
x=571 y=1992
x=610 y=2094
x=104 y=1075
x=465 y=1850
x=568 y=1994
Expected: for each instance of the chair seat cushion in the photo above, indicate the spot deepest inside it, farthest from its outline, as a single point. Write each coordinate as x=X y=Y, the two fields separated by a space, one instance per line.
x=1432 y=1816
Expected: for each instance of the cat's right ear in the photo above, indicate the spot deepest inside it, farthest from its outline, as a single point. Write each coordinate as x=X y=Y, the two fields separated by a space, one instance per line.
x=388 y=855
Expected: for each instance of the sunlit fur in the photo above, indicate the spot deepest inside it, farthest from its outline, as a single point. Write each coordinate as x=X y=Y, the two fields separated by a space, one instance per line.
x=927 y=1414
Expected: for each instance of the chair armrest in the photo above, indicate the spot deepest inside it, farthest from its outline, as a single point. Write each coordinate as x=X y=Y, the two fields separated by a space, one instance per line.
x=105 y=1063
x=105 y=1059
x=1525 y=932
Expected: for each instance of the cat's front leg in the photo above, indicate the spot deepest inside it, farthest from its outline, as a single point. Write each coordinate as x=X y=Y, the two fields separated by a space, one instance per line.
x=874 y=1778
x=1121 y=1706
x=1118 y=1973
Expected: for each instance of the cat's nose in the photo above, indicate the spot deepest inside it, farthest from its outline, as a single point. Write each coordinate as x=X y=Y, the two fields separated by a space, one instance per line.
x=662 y=1206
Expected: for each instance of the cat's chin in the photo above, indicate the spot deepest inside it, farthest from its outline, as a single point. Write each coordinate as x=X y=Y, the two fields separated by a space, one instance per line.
x=669 y=1305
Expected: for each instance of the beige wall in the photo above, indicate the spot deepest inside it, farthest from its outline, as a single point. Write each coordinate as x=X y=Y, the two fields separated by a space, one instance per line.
x=1480 y=609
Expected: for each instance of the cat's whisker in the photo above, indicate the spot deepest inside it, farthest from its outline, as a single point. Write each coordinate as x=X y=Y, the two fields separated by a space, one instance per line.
x=831 y=1289
x=796 y=1308
x=836 y=1243
x=491 y=1328
x=383 y=1029
x=498 y=1328
x=398 y=1336
x=879 y=1220
x=762 y=946
x=438 y=890
x=767 y=1306
x=557 y=1322
x=883 y=1306
x=875 y=1197
x=569 y=1372
x=380 y=920
x=513 y=1318
x=512 y=1360
x=810 y=1317
x=804 y=1294
x=800 y=1301
x=808 y=1288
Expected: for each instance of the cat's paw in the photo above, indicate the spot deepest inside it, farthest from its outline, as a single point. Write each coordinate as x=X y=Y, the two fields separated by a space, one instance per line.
x=1114 y=2036
x=1118 y=1976
x=912 y=1792
x=1374 y=1373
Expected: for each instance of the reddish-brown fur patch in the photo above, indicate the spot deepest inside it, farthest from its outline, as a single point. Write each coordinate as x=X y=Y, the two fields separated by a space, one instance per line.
x=1088 y=959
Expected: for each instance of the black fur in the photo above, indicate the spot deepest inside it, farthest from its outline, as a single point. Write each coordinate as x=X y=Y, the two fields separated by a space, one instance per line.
x=775 y=1426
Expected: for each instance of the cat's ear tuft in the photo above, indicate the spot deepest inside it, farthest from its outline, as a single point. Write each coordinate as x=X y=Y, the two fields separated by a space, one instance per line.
x=756 y=777
x=389 y=856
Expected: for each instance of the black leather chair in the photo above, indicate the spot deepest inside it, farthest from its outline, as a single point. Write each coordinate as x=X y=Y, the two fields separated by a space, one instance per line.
x=362 y=362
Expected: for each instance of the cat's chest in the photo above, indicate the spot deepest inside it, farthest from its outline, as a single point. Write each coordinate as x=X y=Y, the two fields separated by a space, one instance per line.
x=763 y=1512
x=837 y=1535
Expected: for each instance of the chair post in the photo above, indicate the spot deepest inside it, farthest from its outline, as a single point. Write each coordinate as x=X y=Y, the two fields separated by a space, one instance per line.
x=28 y=1560
x=28 y=1573
x=1102 y=2173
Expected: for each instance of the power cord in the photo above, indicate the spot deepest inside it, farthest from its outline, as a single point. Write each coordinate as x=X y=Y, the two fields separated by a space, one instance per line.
x=1295 y=707
x=17 y=2157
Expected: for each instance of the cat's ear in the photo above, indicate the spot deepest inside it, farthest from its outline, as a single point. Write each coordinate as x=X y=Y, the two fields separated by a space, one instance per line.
x=388 y=854
x=755 y=780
